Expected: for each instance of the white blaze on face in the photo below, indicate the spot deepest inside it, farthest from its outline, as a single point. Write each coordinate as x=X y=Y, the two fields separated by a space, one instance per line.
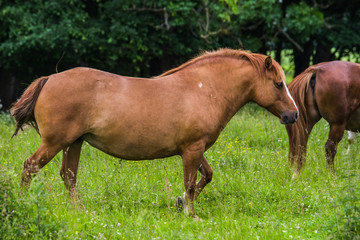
x=200 y=85
x=288 y=93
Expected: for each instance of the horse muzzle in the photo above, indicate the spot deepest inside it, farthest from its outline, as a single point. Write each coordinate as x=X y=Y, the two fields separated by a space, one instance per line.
x=289 y=117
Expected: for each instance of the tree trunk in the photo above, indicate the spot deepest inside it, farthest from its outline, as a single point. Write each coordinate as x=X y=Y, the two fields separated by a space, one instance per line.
x=323 y=52
x=278 y=52
x=163 y=64
x=7 y=90
x=302 y=59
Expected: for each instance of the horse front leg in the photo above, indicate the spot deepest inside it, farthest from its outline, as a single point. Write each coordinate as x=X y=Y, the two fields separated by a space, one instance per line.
x=335 y=135
x=192 y=157
x=206 y=177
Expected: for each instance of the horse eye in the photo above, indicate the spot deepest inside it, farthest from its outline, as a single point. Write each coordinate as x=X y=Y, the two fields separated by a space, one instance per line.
x=279 y=85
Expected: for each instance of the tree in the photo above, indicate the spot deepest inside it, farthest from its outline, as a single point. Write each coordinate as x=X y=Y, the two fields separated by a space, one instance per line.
x=145 y=38
x=34 y=35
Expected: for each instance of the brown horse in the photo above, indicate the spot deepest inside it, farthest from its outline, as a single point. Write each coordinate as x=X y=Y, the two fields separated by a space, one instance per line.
x=329 y=90
x=181 y=112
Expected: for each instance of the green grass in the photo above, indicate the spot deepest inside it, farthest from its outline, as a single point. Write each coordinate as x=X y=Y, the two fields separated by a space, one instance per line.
x=251 y=195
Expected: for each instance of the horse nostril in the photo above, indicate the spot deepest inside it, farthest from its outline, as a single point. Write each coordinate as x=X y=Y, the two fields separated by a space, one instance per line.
x=285 y=119
x=296 y=116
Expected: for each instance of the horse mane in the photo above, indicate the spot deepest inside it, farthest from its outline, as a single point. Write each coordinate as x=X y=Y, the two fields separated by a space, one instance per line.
x=257 y=60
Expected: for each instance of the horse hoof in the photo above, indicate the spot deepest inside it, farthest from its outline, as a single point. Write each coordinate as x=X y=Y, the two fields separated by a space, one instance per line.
x=179 y=204
x=295 y=177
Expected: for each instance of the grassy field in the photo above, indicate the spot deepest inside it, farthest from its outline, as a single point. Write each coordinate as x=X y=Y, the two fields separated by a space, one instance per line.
x=251 y=195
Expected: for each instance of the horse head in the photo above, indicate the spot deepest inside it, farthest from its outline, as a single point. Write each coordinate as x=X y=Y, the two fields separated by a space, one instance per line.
x=273 y=94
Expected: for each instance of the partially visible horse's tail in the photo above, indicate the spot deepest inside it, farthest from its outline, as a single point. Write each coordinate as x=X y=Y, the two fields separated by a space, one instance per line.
x=298 y=89
x=297 y=132
x=23 y=110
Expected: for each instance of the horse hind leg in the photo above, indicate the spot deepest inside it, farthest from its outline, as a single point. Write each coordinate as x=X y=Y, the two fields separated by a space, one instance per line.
x=38 y=160
x=69 y=167
x=335 y=135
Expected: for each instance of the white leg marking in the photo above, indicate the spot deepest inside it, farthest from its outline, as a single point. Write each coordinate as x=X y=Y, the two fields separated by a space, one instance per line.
x=351 y=140
x=186 y=203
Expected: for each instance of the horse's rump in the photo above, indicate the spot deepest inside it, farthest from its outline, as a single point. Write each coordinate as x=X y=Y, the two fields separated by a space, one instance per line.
x=334 y=96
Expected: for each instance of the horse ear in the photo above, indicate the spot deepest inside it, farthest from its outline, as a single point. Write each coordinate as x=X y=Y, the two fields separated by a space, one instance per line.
x=268 y=63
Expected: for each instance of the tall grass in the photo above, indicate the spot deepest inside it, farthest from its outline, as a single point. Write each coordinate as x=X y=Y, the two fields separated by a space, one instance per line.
x=251 y=195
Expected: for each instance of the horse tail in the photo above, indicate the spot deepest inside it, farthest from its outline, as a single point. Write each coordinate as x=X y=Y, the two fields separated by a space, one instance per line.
x=23 y=109
x=297 y=132
x=299 y=87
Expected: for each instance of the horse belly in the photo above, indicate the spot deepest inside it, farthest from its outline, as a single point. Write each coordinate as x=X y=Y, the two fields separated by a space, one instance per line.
x=132 y=147
x=354 y=121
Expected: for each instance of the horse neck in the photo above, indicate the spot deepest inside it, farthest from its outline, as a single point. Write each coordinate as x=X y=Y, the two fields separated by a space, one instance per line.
x=231 y=80
x=228 y=84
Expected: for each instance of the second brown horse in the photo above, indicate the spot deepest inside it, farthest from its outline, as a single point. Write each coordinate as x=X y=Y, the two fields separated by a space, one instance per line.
x=329 y=90
x=181 y=112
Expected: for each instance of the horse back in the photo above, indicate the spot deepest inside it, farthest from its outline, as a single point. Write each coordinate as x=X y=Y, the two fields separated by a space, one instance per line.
x=88 y=96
